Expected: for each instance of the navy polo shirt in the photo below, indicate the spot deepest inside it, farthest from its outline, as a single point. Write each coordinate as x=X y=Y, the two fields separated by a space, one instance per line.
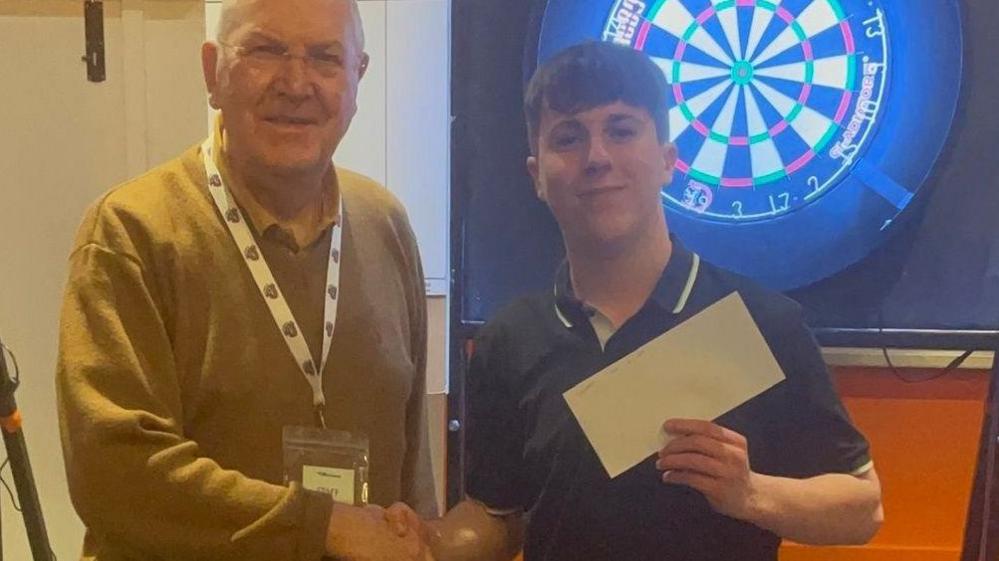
x=526 y=450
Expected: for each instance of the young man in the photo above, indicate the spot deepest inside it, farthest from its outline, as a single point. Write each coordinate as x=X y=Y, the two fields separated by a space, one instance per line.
x=185 y=355
x=787 y=464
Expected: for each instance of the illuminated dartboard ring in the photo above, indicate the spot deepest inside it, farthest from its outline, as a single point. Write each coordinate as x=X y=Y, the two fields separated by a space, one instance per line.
x=796 y=121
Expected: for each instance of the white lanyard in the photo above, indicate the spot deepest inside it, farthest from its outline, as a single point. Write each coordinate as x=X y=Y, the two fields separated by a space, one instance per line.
x=280 y=311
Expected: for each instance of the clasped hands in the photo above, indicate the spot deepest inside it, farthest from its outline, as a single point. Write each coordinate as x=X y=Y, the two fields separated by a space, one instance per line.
x=373 y=533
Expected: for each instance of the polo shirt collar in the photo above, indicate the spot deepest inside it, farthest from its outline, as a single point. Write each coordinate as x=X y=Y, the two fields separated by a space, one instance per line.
x=671 y=292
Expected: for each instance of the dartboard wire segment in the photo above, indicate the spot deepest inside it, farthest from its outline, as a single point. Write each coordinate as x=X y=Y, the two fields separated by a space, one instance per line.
x=761 y=91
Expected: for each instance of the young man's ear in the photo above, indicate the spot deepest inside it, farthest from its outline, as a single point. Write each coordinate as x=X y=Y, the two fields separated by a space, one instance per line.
x=669 y=159
x=669 y=155
x=209 y=68
x=532 y=168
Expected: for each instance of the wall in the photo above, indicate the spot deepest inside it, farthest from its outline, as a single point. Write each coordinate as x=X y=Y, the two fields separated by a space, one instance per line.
x=924 y=439
x=63 y=141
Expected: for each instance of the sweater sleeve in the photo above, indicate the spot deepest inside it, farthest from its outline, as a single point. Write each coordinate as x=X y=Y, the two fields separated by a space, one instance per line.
x=418 y=489
x=133 y=476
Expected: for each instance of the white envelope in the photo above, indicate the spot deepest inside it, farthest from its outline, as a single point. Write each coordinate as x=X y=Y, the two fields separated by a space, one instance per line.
x=700 y=369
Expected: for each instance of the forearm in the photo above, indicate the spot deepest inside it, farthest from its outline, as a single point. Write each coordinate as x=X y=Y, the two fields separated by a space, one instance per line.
x=175 y=503
x=823 y=510
x=470 y=533
x=135 y=479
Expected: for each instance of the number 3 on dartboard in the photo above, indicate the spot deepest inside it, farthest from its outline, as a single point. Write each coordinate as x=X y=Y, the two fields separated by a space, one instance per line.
x=874 y=27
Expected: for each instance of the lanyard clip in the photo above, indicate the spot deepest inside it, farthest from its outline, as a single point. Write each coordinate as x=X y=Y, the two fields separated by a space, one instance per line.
x=320 y=414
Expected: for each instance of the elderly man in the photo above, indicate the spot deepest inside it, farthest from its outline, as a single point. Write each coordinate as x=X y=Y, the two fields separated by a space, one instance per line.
x=787 y=464
x=244 y=292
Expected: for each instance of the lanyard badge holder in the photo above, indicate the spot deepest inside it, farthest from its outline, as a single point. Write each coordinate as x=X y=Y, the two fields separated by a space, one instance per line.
x=320 y=459
x=329 y=461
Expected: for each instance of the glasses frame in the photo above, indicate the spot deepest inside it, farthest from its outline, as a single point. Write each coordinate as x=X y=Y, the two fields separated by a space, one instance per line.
x=273 y=61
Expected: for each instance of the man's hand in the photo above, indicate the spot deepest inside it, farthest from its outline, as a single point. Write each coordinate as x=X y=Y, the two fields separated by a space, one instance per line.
x=404 y=520
x=371 y=534
x=715 y=461
x=467 y=533
x=831 y=508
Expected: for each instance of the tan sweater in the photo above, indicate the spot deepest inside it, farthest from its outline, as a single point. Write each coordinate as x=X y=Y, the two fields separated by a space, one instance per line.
x=174 y=383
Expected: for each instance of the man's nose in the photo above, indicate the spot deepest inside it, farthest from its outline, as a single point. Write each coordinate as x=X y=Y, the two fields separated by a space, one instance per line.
x=294 y=78
x=597 y=157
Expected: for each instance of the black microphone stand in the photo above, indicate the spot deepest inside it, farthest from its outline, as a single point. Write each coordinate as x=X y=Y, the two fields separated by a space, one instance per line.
x=17 y=454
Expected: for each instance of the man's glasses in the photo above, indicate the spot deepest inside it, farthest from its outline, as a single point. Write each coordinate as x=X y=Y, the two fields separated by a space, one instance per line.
x=271 y=57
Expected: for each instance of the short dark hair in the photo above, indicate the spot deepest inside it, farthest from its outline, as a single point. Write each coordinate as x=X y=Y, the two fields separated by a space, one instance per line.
x=592 y=74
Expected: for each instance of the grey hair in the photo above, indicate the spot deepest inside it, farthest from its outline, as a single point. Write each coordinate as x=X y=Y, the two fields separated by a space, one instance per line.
x=231 y=16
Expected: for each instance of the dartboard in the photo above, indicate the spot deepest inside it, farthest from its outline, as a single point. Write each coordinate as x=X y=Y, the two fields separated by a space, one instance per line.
x=805 y=128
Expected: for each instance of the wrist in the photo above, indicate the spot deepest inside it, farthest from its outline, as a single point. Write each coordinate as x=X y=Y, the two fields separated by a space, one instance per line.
x=337 y=529
x=761 y=508
x=433 y=532
x=434 y=535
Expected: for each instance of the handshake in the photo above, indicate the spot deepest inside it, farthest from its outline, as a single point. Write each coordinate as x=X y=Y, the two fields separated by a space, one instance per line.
x=373 y=533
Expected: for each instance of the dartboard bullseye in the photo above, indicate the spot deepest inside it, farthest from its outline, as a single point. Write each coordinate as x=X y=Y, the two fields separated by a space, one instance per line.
x=800 y=124
x=759 y=93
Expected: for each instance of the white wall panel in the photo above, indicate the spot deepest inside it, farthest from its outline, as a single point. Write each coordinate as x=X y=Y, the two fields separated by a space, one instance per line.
x=363 y=149
x=418 y=122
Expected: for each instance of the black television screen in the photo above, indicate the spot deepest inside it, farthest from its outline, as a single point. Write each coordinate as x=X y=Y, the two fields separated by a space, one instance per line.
x=933 y=282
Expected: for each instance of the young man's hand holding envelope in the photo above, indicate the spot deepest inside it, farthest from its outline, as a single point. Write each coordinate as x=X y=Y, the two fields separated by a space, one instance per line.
x=688 y=376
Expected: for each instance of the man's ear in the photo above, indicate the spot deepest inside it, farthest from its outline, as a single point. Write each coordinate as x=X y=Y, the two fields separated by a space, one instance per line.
x=532 y=168
x=209 y=68
x=669 y=155
x=669 y=159
x=363 y=68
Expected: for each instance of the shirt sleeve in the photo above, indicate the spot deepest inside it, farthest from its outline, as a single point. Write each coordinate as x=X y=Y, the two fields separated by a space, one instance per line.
x=818 y=434
x=133 y=476
x=494 y=440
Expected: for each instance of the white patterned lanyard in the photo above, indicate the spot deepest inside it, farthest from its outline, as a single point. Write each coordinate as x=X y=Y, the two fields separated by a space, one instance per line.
x=280 y=311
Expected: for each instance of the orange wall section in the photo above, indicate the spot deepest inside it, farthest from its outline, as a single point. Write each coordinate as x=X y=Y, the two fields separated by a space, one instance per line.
x=924 y=440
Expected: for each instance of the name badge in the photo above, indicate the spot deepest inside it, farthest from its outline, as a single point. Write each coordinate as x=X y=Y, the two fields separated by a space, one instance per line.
x=328 y=461
x=336 y=481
